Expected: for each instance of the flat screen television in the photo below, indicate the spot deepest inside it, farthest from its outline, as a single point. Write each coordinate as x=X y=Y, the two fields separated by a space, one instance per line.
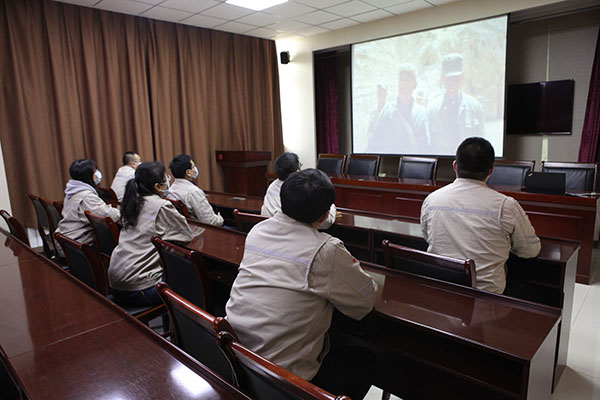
x=540 y=108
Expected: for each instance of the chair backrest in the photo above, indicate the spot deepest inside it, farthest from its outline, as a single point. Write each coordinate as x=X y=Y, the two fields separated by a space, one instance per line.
x=106 y=232
x=54 y=216
x=579 y=177
x=262 y=380
x=331 y=163
x=15 y=227
x=185 y=272
x=195 y=331
x=84 y=263
x=510 y=173
x=363 y=165
x=417 y=167
x=108 y=195
x=245 y=221
x=419 y=262
x=43 y=226
x=59 y=206
x=180 y=206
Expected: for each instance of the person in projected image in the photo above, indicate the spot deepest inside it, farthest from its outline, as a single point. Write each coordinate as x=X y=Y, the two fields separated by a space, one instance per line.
x=402 y=124
x=454 y=115
x=376 y=111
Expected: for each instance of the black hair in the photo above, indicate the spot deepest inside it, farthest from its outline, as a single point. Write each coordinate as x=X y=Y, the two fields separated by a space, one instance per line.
x=83 y=170
x=286 y=164
x=307 y=195
x=474 y=158
x=180 y=164
x=128 y=157
x=146 y=176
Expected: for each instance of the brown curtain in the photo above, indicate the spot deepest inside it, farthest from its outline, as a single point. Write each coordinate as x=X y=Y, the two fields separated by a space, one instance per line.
x=85 y=83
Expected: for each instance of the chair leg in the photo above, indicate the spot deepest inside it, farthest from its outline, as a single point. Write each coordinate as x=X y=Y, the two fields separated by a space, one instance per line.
x=385 y=395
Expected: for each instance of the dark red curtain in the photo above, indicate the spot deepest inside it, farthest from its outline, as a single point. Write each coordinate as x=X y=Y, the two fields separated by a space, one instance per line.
x=326 y=99
x=588 y=150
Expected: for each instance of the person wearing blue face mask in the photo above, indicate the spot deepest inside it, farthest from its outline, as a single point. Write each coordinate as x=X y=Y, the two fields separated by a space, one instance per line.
x=80 y=196
x=184 y=188
x=134 y=267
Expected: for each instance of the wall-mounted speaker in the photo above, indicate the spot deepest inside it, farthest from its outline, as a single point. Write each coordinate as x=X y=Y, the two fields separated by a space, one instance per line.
x=285 y=57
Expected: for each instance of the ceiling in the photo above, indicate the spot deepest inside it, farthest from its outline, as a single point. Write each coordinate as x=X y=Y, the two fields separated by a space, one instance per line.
x=294 y=18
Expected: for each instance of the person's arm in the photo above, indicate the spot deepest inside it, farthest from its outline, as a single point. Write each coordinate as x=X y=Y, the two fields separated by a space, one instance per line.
x=171 y=225
x=94 y=204
x=338 y=277
x=202 y=208
x=524 y=241
x=424 y=220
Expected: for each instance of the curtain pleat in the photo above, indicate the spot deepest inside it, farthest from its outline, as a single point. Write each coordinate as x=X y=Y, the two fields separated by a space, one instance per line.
x=588 y=149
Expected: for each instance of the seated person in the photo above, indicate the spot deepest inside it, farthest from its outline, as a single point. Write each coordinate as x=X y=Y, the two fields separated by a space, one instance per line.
x=287 y=164
x=131 y=160
x=467 y=219
x=135 y=264
x=81 y=196
x=289 y=281
x=184 y=188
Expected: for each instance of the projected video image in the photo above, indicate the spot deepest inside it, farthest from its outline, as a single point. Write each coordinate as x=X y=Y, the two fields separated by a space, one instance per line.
x=423 y=93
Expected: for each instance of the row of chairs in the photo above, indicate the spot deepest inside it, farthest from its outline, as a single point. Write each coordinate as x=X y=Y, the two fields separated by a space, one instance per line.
x=580 y=177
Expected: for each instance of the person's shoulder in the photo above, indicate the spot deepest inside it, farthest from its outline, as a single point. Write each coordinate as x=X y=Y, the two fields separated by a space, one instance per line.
x=470 y=101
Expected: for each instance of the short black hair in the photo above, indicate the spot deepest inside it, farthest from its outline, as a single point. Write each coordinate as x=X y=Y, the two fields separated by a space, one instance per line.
x=474 y=158
x=83 y=170
x=146 y=176
x=307 y=195
x=286 y=164
x=128 y=157
x=180 y=164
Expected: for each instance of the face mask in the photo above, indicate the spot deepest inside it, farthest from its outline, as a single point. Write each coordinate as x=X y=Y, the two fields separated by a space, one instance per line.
x=195 y=176
x=97 y=177
x=166 y=192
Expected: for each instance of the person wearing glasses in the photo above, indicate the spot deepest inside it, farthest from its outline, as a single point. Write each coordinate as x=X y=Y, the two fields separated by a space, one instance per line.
x=135 y=264
x=285 y=165
x=184 y=188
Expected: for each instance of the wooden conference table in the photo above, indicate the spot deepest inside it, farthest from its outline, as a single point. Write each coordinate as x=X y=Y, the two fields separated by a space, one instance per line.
x=61 y=340
x=476 y=344
x=571 y=217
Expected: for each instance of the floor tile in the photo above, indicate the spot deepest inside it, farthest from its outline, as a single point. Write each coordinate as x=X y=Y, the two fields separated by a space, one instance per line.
x=576 y=386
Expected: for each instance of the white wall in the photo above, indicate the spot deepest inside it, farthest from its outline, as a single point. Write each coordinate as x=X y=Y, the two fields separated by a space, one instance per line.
x=296 y=78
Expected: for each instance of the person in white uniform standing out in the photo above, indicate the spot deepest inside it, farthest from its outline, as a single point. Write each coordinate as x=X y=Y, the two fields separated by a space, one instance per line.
x=467 y=219
x=285 y=165
x=131 y=160
x=290 y=280
x=184 y=188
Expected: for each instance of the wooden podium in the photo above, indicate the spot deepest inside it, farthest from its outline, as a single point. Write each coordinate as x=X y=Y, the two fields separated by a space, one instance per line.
x=244 y=171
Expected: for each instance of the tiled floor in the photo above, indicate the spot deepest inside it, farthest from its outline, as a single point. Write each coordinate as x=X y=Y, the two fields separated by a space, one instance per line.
x=581 y=379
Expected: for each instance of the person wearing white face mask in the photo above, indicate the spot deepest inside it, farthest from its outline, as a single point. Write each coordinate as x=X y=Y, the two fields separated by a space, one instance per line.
x=131 y=160
x=81 y=196
x=184 y=188
x=135 y=264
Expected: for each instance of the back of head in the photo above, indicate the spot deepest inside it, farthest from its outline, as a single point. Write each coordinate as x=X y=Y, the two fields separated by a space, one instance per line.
x=146 y=176
x=286 y=164
x=83 y=170
x=307 y=195
x=129 y=157
x=180 y=164
x=474 y=158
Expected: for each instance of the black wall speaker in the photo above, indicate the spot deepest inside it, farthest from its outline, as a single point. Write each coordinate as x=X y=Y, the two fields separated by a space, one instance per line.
x=285 y=57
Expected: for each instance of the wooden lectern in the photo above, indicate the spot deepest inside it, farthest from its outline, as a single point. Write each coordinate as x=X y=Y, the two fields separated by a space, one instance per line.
x=245 y=171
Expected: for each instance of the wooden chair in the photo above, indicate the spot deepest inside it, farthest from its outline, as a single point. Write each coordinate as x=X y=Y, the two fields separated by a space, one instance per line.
x=263 y=380
x=108 y=195
x=331 y=163
x=185 y=272
x=419 y=262
x=58 y=205
x=579 y=177
x=367 y=165
x=43 y=227
x=85 y=265
x=246 y=221
x=15 y=227
x=510 y=173
x=194 y=331
x=54 y=216
x=417 y=167
x=181 y=207
x=106 y=235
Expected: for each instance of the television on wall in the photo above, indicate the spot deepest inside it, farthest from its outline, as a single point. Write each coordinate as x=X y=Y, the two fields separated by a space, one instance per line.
x=540 y=108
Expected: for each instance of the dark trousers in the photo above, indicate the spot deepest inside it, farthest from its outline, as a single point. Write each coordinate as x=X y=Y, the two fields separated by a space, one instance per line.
x=138 y=298
x=347 y=370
